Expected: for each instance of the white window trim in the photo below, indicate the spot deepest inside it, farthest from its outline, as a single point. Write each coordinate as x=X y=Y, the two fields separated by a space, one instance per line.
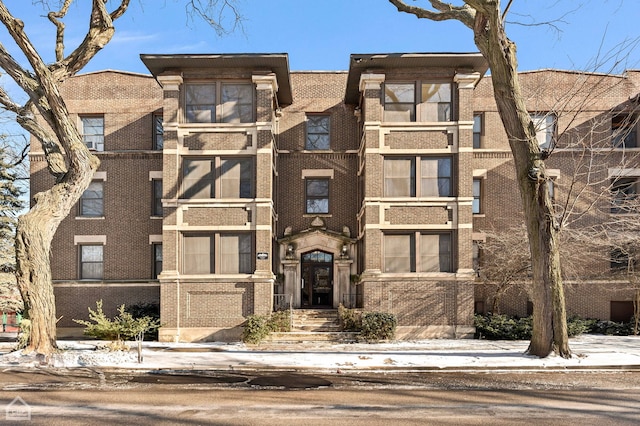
x=89 y=239
x=617 y=172
x=317 y=173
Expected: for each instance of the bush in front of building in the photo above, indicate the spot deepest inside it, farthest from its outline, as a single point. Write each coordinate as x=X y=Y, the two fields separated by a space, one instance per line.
x=146 y=309
x=611 y=328
x=504 y=327
x=257 y=327
x=124 y=326
x=349 y=319
x=378 y=326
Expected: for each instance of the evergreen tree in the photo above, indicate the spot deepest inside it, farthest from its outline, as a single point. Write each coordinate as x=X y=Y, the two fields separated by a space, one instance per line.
x=10 y=205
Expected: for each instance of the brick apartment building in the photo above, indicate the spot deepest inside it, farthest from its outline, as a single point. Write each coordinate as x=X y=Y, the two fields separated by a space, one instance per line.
x=231 y=186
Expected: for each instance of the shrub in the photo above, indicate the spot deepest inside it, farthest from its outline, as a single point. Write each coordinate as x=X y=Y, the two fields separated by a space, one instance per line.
x=280 y=321
x=145 y=309
x=378 y=326
x=611 y=328
x=255 y=329
x=504 y=327
x=122 y=327
x=350 y=319
x=577 y=326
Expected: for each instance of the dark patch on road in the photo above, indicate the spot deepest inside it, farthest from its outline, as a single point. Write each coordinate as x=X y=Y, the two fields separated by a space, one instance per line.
x=290 y=381
x=187 y=379
x=213 y=349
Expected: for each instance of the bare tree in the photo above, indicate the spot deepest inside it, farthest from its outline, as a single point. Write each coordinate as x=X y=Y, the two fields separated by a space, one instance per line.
x=68 y=159
x=596 y=123
x=486 y=19
x=505 y=262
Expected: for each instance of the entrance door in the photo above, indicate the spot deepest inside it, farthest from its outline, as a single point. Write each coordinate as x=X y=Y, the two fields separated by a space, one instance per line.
x=317 y=279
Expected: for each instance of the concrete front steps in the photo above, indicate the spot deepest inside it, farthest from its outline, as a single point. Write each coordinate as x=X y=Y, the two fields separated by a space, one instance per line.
x=313 y=325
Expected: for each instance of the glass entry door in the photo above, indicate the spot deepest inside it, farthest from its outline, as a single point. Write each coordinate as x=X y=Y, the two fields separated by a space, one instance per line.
x=317 y=279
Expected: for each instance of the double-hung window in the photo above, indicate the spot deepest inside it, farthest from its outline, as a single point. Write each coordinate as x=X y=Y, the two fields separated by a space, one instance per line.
x=219 y=102
x=318 y=132
x=624 y=131
x=417 y=101
x=158 y=132
x=237 y=103
x=200 y=103
x=93 y=132
x=91 y=262
x=221 y=253
x=157 y=259
x=624 y=194
x=317 y=195
x=157 y=197
x=477 y=196
x=92 y=200
x=417 y=252
x=477 y=131
x=433 y=177
x=218 y=177
x=545 y=126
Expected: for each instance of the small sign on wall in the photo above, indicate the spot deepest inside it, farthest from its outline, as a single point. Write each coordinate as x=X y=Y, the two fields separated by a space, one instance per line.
x=262 y=255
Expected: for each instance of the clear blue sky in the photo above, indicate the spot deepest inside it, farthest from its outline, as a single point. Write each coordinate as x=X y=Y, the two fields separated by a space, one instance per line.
x=321 y=34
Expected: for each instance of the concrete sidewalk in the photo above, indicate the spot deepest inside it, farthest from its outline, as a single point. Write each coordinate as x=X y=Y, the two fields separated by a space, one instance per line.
x=590 y=352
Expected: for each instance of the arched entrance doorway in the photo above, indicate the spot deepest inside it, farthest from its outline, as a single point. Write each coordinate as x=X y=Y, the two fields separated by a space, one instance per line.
x=317 y=280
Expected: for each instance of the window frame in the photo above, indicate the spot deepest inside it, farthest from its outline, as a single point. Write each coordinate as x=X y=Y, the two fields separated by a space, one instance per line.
x=216 y=264
x=82 y=262
x=156 y=265
x=623 y=189
x=416 y=251
x=417 y=109
x=84 y=198
x=549 y=131
x=98 y=144
x=217 y=107
x=624 y=133
x=313 y=199
x=215 y=178
x=157 y=131
x=417 y=178
x=476 y=206
x=156 y=198
x=478 y=130
x=308 y=145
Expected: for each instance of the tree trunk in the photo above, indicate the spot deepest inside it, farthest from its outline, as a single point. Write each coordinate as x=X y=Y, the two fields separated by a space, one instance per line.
x=34 y=234
x=549 y=315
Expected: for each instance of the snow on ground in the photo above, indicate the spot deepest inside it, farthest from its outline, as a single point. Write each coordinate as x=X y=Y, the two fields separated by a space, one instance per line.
x=589 y=351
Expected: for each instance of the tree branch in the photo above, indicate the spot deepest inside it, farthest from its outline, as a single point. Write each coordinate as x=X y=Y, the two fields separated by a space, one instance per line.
x=445 y=11
x=100 y=32
x=55 y=17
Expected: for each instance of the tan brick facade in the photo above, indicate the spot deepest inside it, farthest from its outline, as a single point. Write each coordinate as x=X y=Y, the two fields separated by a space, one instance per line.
x=315 y=226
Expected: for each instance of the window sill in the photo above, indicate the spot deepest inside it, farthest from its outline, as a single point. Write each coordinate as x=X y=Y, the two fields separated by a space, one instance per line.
x=317 y=215
x=479 y=215
x=156 y=217
x=90 y=217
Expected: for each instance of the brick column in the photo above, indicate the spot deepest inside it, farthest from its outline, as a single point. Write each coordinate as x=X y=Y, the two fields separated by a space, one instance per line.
x=169 y=278
x=466 y=83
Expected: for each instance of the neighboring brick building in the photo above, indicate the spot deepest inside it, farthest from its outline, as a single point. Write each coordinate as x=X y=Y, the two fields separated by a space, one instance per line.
x=229 y=186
